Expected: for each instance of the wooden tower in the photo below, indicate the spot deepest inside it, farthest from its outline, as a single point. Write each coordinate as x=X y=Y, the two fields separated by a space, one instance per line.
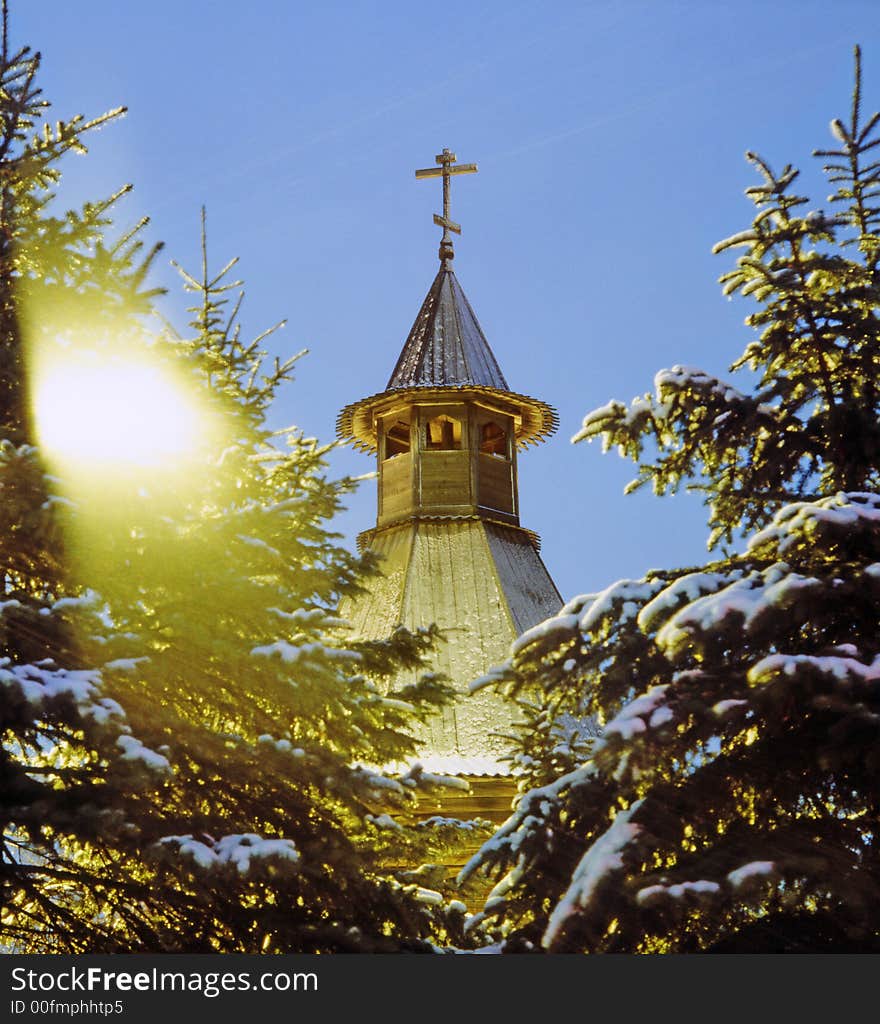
x=446 y=431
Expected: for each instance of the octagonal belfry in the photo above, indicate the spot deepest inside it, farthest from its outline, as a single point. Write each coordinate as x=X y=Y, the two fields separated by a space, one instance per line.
x=446 y=432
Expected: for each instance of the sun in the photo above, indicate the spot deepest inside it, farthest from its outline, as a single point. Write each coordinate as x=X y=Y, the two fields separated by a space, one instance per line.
x=108 y=415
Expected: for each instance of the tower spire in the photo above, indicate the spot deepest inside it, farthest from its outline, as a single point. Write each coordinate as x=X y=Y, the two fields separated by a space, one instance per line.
x=447 y=167
x=446 y=433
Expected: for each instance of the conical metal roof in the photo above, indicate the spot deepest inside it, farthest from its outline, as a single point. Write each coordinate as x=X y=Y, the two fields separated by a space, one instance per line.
x=446 y=346
x=446 y=350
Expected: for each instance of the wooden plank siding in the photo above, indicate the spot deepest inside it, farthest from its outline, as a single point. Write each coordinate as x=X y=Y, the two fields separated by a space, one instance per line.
x=495 y=482
x=396 y=487
x=483 y=584
x=445 y=480
x=375 y=614
x=451 y=581
x=531 y=593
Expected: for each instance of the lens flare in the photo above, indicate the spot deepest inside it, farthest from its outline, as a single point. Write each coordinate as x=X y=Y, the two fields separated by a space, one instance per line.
x=95 y=416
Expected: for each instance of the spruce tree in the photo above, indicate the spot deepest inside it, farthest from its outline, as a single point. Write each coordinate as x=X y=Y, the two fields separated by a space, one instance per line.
x=731 y=803
x=192 y=753
x=64 y=766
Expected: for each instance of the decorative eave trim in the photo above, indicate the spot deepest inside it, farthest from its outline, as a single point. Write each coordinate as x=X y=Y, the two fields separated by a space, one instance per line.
x=357 y=422
x=365 y=538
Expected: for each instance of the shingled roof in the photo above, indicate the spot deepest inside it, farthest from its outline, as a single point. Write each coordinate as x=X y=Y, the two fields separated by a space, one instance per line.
x=446 y=346
x=447 y=349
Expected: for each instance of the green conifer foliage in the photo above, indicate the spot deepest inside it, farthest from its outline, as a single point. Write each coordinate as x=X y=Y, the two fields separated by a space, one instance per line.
x=731 y=802
x=192 y=752
x=63 y=769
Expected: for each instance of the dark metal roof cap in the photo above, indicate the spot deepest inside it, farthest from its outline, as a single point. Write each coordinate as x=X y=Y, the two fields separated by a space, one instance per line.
x=446 y=346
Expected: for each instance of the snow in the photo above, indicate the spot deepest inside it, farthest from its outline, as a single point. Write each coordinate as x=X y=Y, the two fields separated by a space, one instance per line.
x=436 y=765
x=723 y=706
x=57 y=499
x=511 y=834
x=384 y=821
x=282 y=745
x=40 y=683
x=613 y=414
x=392 y=703
x=741 y=238
x=598 y=419
x=240 y=851
x=660 y=717
x=747 y=598
x=849 y=649
x=86 y=600
x=560 y=626
x=378 y=781
x=467 y=825
x=293 y=653
x=613 y=418
x=680 y=378
x=653 y=894
x=838 y=131
x=684 y=590
x=495 y=675
x=630 y=719
x=629 y=594
x=430 y=896
x=311 y=618
x=256 y=542
x=800 y=521
x=418 y=776
x=134 y=750
x=756 y=869
x=584 y=614
x=125 y=664
x=835 y=667
x=603 y=858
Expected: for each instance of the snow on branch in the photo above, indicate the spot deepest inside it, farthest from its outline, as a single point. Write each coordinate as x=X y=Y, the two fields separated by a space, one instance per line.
x=653 y=895
x=806 y=521
x=645 y=712
x=832 y=667
x=748 y=598
x=682 y=591
x=684 y=378
x=134 y=750
x=43 y=688
x=530 y=811
x=243 y=852
x=293 y=654
x=599 y=863
x=42 y=684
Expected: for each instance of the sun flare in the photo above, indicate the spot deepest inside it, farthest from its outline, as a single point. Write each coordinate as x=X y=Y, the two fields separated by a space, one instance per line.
x=113 y=414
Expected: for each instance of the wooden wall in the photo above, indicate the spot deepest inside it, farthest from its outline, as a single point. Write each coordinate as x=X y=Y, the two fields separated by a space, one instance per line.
x=396 y=487
x=445 y=478
x=495 y=486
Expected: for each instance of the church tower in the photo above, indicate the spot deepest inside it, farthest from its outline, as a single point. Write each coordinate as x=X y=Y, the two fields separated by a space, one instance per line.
x=446 y=432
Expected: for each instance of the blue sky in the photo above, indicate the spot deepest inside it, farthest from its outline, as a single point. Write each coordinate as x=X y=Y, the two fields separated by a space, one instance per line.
x=610 y=141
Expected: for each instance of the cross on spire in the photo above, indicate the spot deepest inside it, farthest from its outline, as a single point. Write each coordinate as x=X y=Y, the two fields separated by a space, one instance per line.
x=447 y=167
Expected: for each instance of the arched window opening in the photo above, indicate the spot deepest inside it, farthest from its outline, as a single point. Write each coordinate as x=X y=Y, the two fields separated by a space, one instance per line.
x=493 y=440
x=397 y=439
x=444 y=434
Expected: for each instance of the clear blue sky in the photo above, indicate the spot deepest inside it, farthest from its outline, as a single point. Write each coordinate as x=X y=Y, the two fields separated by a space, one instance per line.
x=610 y=141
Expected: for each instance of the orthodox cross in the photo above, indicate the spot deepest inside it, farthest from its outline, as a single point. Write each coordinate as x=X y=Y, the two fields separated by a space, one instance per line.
x=447 y=167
